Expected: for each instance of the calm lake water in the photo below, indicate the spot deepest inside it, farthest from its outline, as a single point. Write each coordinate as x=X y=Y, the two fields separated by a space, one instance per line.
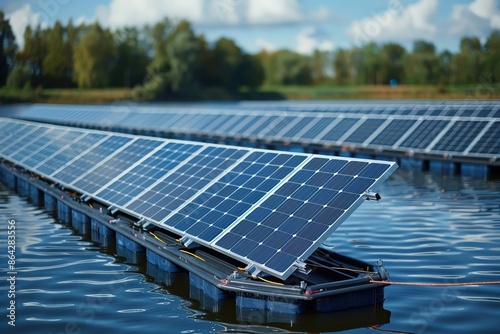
x=428 y=228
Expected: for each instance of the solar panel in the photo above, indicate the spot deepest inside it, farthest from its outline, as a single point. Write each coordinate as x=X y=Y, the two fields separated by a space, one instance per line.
x=141 y=177
x=420 y=126
x=67 y=152
x=489 y=143
x=206 y=216
x=424 y=134
x=459 y=136
x=88 y=159
x=185 y=182
x=49 y=146
x=364 y=131
x=393 y=132
x=291 y=223
x=268 y=209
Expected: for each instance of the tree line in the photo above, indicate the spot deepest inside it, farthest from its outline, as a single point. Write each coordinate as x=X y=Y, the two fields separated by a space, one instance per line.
x=169 y=61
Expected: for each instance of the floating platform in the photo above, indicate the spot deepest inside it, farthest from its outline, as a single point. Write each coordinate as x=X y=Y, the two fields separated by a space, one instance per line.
x=337 y=282
x=319 y=280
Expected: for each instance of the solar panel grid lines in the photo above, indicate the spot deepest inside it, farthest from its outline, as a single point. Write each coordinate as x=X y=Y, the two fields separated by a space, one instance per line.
x=378 y=131
x=185 y=183
x=30 y=146
x=479 y=137
x=256 y=236
x=490 y=142
x=115 y=163
x=459 y=136
x=58 y=154
x=66 y=158
x=9 y=145
x=131 y=167
x=223 y=201
x=38 y=154
x=10 y=132
x=437 y=135
x=146 y=173
x=352 y=129
x=134 y=201
x=323 y=135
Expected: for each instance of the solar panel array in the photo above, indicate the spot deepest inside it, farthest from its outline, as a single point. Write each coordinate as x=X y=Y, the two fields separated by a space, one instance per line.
x=445 y=128
x=268 y=209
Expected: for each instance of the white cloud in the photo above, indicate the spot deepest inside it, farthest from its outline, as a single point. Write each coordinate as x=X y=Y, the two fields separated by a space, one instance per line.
x=141 y=12
x=476 y=18
x=209 y=12
x=275 y=11
x=20 y=19
x=397 y=23
x=311 y=39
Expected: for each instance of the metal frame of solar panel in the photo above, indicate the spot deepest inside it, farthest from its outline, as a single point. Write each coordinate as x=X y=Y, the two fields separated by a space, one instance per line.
x=268 y=209
x=439 y=128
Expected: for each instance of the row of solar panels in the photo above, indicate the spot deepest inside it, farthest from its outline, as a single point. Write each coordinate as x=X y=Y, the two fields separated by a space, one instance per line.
x=439 y=135
x=471 y=108
x=268 y=209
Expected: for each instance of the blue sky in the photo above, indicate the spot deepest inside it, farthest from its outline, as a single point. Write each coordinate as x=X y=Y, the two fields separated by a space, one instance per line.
x=300 y=25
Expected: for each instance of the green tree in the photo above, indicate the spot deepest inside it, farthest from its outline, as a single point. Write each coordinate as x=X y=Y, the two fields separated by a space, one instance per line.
x=7 y=48
x=132 y=58
x=392 y=66
x=492 y=55
x=94 y=58
x=422 y=65
x=467 y=64
x=173 y=69
x=19 y=77
x=292 y=68
x=342 y=67
x=57 y=62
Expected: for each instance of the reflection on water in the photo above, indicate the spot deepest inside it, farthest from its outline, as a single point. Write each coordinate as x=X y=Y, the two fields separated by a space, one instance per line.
x=429 y=228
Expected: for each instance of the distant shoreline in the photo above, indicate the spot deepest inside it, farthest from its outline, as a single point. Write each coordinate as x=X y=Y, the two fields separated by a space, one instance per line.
x=273 y=93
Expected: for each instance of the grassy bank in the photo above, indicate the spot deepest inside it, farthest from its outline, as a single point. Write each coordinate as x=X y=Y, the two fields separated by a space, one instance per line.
x=75 y=95
x=333 y=92
x=322 y=92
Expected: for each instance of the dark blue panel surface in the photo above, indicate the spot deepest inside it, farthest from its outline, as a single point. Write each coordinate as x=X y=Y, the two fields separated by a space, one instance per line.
x=116 y=165
x=91 y=158
x=226 y=200
x=393 y=132
x=459 y=136
x=49 y=146
x=424 y=134
x=185 y=182
x=148 y=172
x=301 y=211
x=339 y=130
x=62 y=152
x=489 y=143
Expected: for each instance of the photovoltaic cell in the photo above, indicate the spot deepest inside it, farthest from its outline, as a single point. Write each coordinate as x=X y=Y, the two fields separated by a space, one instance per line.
x=210 y=213
x=141 y=177
x=393 y=132
x=179 y=186
x=489 y=143
x=424 y=134
x=301 y=213
x=318 y=127
x=64 y=153
x=459 y=136
x=51 y=145
x=339 y=130
x=89 y=159
x=365 y=130
x=117 y=164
